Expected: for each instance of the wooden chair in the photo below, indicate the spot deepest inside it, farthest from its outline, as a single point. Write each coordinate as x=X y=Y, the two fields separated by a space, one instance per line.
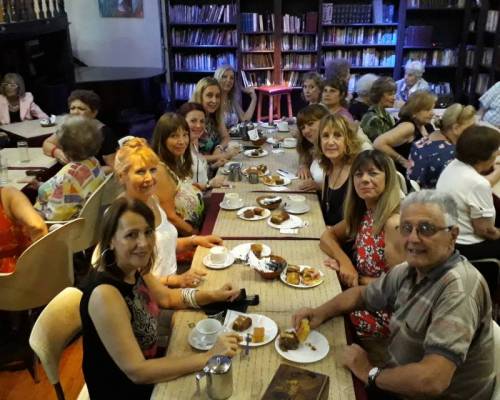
x=56 y=326
x=272 y=92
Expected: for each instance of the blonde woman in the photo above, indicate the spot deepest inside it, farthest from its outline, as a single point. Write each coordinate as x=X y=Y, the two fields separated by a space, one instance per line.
x=312 y=87
x=231 y=97
x=429 y=156
x=338 y=144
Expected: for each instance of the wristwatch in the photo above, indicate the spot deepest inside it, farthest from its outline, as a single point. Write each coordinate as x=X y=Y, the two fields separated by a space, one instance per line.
x=372 y=375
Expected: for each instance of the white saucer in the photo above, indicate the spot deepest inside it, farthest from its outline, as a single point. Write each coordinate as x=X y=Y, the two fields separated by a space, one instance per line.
x=303 y=210
x=193 y=341
x=292 y=222
x=229 y=261
x=285 y=146
x=231 y=208
x=266 y=213
x=241 y=251
x=248 y=153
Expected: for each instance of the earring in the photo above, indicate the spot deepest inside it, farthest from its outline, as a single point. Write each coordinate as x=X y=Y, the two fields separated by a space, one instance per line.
x=103 y=257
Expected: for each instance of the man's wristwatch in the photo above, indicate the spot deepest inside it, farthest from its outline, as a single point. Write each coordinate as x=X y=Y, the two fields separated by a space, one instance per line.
x=372 y=375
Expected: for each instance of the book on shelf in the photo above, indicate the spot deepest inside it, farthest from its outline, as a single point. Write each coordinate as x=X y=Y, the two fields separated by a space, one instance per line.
x=304 y=23
x=487 y=58
x=435 y=3
x=292 y=78
x=256 y=78
x=482 y=84
x=202 y=61
x=440 y=88
x=204 y=37
x=492 y=20
x=206 y=13
x=346 y=13
x=437 y=58
x=183 y=90
x=361 y=35
x=470 y=56
x=303 y=43
x=257 y=42
x=419 y=35
x=257 y=61
x=254 y=22
x=367 y=57
x=301 y=61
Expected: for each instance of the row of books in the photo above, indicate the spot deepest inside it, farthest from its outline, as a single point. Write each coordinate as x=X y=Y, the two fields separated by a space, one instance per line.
x=183 y=90
x=383 y=13
x=253 y=22
x=257 y=61
x=301 y=61
x=483 y=83
x=487 y=57
x=360 y=36
x=435 y=3
x=368 y=57
x=346 y=13
x=292 y=78
x=440 y=88
x=203 y=61
x=257 y=42
x=256 y=78
x=492 y=20
x=304 y=23
x=444 y=57
x=294 y=42
x=212 y=13
x=29 y=10
x=200 y=37
x=419 y=35
x=470 y=56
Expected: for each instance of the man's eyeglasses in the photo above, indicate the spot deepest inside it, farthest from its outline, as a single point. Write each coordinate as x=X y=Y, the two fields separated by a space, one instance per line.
x=424 y=229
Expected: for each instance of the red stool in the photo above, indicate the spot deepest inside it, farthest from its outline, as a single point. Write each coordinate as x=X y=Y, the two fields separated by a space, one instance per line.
x=272 y=91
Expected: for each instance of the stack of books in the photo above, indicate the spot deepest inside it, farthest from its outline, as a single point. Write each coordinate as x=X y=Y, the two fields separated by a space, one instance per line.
x=257 y=42
x=207 y=13
x=203 y=61
x=203 y=37
x=362 y=35
x=304 y=43
x=299 y=61
x=251 y=61
x=346 y=13
x=253 y=22
x=304 y=23
x=368 y=57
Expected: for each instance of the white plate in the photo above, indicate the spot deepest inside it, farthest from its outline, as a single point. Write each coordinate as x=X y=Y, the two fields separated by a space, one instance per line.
x=301 y=285
x=264 y=215
x=286 y=181
x=258 y=320
x=231 y=208
x=229 y=261
x=301 y=211
x=248 y=153
x=241 y=251
x=304 y=354
x=292 y=222
x=196 y=344
x=288 y=146
x=244 y=171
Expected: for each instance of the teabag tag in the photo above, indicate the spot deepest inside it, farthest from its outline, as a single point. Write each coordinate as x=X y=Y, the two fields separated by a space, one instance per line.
x=253 y=134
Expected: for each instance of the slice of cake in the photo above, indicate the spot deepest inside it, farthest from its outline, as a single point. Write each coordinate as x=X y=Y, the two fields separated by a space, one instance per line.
x=288 y=341
x=241 y=323
x=258 y=334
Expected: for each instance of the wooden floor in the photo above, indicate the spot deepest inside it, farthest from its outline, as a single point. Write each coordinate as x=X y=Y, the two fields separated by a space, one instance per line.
x=19 y=385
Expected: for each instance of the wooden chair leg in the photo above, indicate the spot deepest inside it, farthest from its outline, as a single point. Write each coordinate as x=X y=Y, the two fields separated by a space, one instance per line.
x=259 y=108
x=271 y=110
x=278 y=107
x=289 y=103
x=59 y=391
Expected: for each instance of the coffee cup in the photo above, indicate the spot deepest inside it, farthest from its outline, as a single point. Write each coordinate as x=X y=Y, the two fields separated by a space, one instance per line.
x=290 y=142
x=232 y=199
x=207 y=330
x=296 y=202
x=218 y=255
x=283 y=126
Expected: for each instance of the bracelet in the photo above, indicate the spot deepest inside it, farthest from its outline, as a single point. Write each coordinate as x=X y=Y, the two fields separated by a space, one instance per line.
x=189 y=297
x=193 y=244
x=53 y=151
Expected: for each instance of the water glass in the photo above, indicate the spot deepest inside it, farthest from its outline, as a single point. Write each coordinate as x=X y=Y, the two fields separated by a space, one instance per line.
x=24 y=155
x=4 y=171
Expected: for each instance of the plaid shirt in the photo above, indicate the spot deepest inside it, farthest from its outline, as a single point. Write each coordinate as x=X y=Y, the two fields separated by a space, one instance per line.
x=376 y=121
x=491 y=102
x=447 y=313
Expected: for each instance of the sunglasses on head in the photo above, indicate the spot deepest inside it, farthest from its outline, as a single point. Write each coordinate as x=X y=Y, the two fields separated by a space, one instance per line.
x=425 y=229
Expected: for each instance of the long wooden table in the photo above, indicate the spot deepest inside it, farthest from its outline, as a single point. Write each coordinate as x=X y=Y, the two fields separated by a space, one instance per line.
x=278 y=301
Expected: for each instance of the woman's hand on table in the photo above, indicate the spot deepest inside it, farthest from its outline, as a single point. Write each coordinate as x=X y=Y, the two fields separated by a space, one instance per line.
x=226 y=345
x=303 y=172
x=217 y=181
x=225 y=293
x=348 y=275
x=313 y=315
x=332 y=264
x=208 y=241
x=308 y=185
x=188 y=279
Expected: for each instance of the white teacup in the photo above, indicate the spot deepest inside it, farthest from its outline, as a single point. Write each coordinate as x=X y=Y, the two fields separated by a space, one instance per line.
x=207 y=330
x=283 y=126
x=218 y=255
x=290 y=142
x=296 y=202
x=232 y=199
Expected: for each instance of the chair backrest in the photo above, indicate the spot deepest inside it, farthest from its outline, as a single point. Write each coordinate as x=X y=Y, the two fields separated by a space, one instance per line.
x=58 y=323
x=42 y=271
x=112 y=189
x=402 y=182
x=415 y=186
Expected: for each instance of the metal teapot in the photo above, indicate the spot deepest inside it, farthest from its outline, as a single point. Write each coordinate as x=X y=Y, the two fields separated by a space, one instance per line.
x=219 y=378
x=235 y=173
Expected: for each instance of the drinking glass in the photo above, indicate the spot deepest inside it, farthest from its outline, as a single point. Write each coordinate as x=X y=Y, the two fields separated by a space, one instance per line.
x=4 y=171
x=24 y=155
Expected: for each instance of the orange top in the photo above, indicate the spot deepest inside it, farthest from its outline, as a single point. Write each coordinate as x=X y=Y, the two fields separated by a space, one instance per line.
x=13 y=241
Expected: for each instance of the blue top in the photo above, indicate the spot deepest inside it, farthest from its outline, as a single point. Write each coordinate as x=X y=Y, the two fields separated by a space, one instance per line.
x=428 y=159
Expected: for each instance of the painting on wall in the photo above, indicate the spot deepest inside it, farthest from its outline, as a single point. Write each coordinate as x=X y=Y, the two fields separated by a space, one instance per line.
x=121 y=8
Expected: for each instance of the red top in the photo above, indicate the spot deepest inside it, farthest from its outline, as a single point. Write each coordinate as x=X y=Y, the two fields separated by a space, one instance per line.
x=13 y=241
x=370 y=261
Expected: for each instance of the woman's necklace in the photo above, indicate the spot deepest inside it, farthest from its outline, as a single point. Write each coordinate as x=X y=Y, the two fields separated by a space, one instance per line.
x=337 y=177
x=14 y=107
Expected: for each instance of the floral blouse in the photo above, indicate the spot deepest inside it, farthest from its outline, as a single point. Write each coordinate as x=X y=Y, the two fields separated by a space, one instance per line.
x=210 y=138
x=370 y=261
x=427 y=161
x=13 y=241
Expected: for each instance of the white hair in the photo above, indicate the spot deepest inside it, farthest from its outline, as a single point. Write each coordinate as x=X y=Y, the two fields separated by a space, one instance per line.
x=415 y=67
x=427 y=196
x=364 y=84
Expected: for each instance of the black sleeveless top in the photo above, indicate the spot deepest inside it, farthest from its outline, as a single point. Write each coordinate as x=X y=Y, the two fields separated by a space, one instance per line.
x=105 y=380
x=332 y=202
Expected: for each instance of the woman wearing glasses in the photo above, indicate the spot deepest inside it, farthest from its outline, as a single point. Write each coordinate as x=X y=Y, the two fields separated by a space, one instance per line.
x=16 y=104
x=371 y=215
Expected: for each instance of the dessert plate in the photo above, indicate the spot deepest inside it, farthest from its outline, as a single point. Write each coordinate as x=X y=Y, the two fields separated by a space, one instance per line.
x=315 y=348
x=288 y=146
x=268 y=182
x=266 y=213
x=244 y=171
x=258 y=320
x=249 y=153
x=301 y=285
x=292 y=222
x=241 y=251
x=224 y=206
x=229 y=261
x=303 y=210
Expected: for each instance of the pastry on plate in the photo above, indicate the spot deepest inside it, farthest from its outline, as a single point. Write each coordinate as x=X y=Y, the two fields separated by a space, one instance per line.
x=257 y=249
x=304 y=330
x=293 y=278
x=258 y=211
x=280 y=217
x=249 y=213
x=242 y=323
x=258 y=334
x=288 y=341
x=310 y=275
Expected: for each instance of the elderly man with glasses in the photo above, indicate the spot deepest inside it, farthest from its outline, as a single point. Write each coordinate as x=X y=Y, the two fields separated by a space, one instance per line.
x=441 y=342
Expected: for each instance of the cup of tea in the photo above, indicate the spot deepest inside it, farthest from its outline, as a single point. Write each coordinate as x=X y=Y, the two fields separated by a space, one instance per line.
x=218 y=255
x=296 y=202
x=232 y=199
x=283 y=126
x=290 y=142
x=207 y=330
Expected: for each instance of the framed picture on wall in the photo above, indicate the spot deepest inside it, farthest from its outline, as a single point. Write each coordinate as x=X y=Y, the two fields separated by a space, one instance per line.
x=121 y=8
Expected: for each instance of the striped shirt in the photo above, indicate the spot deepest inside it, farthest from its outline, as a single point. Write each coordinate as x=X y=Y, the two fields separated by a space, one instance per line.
x=447 y=313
